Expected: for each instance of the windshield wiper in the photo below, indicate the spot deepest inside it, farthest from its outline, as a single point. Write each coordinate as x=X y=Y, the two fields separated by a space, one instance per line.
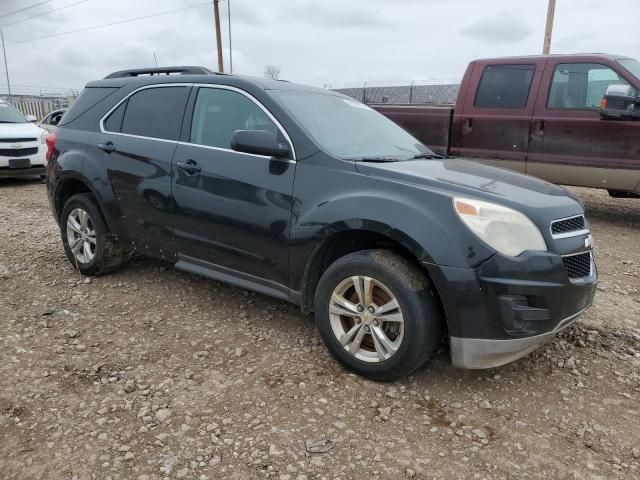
x=377 y=160
x=427 y=156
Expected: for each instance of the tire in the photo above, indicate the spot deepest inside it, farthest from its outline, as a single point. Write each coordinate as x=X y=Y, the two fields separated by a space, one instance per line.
x=105 y=254
x=406 y=345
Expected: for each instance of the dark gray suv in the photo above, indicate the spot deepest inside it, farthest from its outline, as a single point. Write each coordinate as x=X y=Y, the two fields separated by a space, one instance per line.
x=312 y=197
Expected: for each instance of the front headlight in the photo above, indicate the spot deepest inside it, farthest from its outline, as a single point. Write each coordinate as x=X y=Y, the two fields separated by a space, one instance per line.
x=503 y=229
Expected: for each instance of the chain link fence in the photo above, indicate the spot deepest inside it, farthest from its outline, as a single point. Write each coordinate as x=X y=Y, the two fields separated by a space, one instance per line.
x=413 y=92
x=38 y=101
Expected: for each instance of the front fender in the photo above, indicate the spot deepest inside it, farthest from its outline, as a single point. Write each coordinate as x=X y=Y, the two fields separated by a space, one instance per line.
x=423 y=222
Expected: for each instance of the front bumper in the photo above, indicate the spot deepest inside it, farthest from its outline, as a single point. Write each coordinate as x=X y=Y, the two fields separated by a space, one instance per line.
x=507 y=307
x=37 y=164
x=475 y=353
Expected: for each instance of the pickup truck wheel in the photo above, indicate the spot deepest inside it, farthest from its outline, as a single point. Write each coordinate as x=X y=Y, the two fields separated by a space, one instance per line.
x=378 y=314
x=85 y=237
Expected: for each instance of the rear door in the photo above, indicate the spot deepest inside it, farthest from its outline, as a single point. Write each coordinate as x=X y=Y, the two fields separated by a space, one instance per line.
x=136 y=141
x=233 y=209
x=497 y=112
x=570 y=143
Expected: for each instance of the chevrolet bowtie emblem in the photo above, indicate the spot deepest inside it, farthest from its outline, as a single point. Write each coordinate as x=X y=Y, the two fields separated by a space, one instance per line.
x=17 y=145
x=588 y=242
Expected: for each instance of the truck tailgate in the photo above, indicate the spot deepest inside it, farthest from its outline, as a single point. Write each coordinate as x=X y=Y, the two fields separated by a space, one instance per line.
x=429 y=124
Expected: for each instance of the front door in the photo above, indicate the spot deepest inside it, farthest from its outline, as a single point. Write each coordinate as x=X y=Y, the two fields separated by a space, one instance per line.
x=494 y=124
x=233 y=209
x=570 y=143
x=136 y=143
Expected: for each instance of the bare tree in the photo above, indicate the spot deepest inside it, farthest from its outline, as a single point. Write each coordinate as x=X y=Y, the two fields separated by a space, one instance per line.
x=272 y=72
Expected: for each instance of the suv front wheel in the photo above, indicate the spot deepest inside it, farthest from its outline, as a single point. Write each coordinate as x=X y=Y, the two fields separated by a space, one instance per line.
x=86 y=239
x=378 y=314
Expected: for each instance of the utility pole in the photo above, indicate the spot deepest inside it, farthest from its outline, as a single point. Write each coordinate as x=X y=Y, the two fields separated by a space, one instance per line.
x=216 y=18
x=6 y=65
x=551 y=10
x=230 y=50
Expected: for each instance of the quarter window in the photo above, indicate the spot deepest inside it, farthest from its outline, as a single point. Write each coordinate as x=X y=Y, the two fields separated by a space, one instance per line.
x=505 y=86
x=113 y=123
x=581 y=85
x=152 y=112
x=55 y=118
x=218 y=113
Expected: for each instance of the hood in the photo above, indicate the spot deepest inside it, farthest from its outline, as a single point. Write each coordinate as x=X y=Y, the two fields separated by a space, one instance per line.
x=539 y=200
x=20 y=130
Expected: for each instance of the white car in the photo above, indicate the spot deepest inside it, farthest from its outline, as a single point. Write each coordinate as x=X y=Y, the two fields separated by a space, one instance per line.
x=22 y=144
x=50 y=122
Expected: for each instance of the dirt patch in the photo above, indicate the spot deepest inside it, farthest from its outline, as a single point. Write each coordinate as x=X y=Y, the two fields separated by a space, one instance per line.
x=151 y=373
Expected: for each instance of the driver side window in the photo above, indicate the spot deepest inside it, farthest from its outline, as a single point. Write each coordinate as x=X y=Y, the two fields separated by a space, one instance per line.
x=581 y=85
x=218 y=113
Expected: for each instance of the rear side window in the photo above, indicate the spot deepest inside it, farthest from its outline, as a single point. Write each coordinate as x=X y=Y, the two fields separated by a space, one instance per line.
x=88 y=98
x=505 y=86
x=152 y=112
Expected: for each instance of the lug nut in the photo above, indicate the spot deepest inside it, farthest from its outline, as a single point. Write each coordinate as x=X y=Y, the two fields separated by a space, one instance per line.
x=366 y=328
x=358 y=320
x=376 y=323
x=360 y=308
x=371 y=309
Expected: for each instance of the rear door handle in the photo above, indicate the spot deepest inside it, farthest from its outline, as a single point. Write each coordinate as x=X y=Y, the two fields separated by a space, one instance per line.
x=107 y=147
x=190 y=167
x=467 y=125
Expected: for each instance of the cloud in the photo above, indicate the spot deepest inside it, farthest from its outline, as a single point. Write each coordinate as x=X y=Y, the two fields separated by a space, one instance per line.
x=336 y=42
x=504 y=27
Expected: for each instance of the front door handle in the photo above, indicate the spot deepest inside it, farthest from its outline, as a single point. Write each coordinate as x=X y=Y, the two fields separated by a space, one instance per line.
x=190 y=167
x=107 y=147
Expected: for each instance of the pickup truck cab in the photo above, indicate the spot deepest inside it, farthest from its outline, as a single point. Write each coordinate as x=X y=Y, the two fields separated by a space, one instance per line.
x=540 y=115
x=315 y=198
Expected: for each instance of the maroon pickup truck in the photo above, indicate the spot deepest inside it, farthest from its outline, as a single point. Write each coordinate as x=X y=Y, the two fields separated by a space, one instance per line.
x=569 y=119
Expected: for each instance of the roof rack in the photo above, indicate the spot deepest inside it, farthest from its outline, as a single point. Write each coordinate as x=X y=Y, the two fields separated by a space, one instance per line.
x=136 y=72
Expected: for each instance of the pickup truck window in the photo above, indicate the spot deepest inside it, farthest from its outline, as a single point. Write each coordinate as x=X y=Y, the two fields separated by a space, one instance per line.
x=581 y=85
x=218 y=113
x=631 y=65
x=348 y=129
x=505 y=86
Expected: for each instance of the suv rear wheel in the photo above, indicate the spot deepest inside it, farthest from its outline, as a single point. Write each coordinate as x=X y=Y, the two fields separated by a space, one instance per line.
x=85 y=237
x=378 y=314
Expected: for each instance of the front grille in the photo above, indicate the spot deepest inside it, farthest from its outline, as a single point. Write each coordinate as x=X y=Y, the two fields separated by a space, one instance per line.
x=567 y=225
x=578 y=266
x=17 y=140
x=18 y=152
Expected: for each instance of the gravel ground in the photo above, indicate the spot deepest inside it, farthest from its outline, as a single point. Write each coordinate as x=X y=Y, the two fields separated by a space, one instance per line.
x=152 y=373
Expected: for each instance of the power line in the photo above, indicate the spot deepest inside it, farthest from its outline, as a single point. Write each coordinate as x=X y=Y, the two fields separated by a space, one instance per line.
x=45 y=13
x=24 y=9
x=110 y=24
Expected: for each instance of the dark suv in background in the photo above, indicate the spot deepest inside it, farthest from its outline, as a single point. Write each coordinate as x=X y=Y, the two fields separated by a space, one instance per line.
x=312 y=197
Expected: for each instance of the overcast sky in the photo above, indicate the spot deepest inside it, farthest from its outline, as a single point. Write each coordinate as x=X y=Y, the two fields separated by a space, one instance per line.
x=334 y=42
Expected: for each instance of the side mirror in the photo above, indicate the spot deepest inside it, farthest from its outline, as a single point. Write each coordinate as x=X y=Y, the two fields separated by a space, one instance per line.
x=31 y=118
x=258 y=142
x=620 y=103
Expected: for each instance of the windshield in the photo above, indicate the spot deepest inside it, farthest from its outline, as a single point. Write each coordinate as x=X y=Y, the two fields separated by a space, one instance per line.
x=8 y=114
x=632 y=66
x=348 y=129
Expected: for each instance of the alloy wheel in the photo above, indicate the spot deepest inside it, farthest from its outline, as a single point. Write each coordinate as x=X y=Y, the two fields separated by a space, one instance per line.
x=366 y=319
x=81 y=235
